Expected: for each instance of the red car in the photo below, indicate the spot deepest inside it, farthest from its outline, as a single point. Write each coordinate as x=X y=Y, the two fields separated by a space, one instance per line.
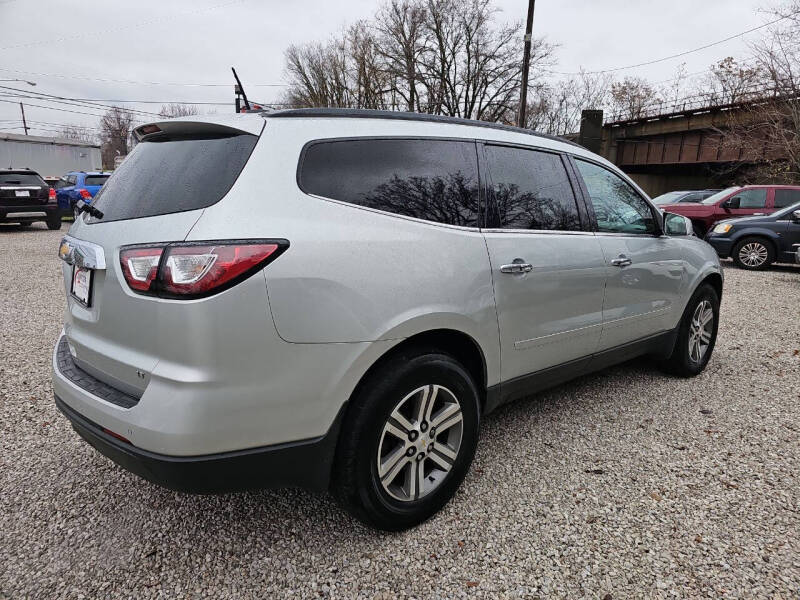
x=734 y=202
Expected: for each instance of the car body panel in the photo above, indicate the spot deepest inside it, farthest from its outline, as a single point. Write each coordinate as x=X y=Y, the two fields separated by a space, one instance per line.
x=274 y=358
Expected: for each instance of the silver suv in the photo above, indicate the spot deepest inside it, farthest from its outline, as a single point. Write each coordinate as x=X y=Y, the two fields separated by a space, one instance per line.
x=333 y=299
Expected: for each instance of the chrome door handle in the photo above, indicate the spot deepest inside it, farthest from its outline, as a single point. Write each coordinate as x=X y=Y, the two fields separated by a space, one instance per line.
x=517 y=267
x=621 y=261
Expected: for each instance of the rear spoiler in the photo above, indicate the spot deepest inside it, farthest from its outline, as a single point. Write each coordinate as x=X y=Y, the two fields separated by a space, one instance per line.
x=196 y=127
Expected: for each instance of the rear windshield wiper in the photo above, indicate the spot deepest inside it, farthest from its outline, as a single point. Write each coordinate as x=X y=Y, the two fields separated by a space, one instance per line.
x=82 y=206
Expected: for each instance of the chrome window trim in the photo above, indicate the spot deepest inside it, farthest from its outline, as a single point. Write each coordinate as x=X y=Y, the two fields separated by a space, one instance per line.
x=538 y=231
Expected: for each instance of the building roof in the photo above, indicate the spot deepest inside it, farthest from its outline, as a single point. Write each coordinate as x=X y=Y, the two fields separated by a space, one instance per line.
x=38 y=139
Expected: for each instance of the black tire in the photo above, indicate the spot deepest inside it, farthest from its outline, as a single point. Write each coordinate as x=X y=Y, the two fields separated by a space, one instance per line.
x=760 y=258
x=54 y=222
x=681 y=362
x=356 y=483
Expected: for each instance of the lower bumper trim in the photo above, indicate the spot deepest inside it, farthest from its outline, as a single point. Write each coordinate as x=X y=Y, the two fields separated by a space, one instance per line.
x=306 y=464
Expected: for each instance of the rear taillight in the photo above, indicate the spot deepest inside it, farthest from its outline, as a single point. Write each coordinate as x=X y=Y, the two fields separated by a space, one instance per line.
x=51 y=195
x=186 y=270
x=84 y=193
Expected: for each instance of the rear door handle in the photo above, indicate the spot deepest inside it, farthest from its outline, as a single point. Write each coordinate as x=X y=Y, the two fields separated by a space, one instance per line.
x=517 y=267
x=621 y=261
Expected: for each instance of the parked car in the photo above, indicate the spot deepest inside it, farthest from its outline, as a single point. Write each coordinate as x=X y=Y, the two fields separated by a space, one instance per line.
x=756 y=242
x=26 y=198
x=683 y=196
x=79 y=185
x=746 y=201
x=335 y=298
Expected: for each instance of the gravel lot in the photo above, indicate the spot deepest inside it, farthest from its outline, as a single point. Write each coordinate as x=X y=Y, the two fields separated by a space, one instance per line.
x=619 y=485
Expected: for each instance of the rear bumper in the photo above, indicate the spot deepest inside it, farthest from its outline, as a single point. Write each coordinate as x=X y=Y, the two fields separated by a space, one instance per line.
x=721 y=245
x=305 y=464
x=14 y=213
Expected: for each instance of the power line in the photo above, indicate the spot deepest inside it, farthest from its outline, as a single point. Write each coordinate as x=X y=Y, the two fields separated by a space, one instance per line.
x=658 y=60
x=134 y=82
x=65 y=100
x=61 y=109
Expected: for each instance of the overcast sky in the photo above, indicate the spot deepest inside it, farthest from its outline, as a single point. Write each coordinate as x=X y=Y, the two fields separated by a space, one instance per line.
x=66 y=48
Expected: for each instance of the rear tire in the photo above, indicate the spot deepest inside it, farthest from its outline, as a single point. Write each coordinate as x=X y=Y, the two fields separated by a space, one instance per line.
x=753 y=254
x=54 y=223
x=408 y=440
x=697 y=334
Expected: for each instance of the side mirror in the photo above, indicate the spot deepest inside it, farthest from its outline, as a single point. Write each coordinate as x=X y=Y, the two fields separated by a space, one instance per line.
x=677 y=225
x=731 y=203
x=796 y=216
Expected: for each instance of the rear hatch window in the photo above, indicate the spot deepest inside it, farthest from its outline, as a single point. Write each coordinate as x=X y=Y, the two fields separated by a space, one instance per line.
x=21 y=179
x=96 y=179
x=174 y=173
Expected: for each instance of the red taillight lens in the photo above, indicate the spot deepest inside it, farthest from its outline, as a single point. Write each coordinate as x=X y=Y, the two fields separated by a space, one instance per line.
x=195 y=269
x=84 y=193
x=51 y=195
x=140 y=267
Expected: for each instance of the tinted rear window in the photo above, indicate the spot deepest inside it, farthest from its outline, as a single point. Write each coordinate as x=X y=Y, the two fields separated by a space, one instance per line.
x=96 y=179
x=435 y=180
x=169 y=175
x=784 y=198
x=21 y=179
x=530 y=190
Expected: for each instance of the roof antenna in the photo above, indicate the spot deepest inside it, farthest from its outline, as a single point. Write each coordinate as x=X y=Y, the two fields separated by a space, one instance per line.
x=240 y=91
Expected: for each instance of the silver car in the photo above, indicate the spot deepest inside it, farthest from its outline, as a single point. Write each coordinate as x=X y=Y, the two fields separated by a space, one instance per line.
x=333 y=299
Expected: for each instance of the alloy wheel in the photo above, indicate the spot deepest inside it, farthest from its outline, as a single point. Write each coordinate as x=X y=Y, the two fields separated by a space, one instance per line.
x=420 y=442
x=700 y=330
x=753 y=254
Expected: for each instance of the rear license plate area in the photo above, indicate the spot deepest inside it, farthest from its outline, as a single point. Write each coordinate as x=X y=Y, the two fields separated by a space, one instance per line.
x=82 y=285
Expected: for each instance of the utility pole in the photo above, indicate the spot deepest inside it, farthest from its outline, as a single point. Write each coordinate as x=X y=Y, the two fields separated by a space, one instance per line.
x=24 y=123
x=526 y=63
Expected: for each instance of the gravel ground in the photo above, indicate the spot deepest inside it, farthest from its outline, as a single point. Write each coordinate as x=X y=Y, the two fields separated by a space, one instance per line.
x=625 y=484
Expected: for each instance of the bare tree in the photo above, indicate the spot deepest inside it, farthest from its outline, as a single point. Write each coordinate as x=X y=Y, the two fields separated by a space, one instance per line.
x=171 y=111
x=115 y=133
x=631 y=97
x=437 y=56
x=556 y=107
x=766 y=131
x=79 y=133
x=728 y=82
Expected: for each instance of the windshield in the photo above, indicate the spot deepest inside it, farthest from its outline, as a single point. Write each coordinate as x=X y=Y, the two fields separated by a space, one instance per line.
x=720 y=195
x=668 y=198
x=20 y=179
x=174 y=174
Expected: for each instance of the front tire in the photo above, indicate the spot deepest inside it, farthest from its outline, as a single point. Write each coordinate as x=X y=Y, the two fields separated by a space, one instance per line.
x=697 y=334
x=753 y=254
x=408 y=440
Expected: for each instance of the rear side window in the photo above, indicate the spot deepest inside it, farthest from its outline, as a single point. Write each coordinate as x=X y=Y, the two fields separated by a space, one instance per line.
x=96 y=179
x=21 y=179
x=617 y=206
x=435 y=180
x=174 y=174
x=530 y=190
x=784 y=198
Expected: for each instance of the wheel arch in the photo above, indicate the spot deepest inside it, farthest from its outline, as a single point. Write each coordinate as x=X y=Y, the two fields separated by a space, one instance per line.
x=761 y=234
x=461 y=346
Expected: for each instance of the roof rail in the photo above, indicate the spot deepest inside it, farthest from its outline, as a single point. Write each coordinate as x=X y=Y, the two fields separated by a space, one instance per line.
x=362 y=113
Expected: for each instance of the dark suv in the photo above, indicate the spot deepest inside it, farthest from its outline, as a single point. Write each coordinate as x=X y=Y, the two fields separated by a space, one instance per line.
x=25 y=197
